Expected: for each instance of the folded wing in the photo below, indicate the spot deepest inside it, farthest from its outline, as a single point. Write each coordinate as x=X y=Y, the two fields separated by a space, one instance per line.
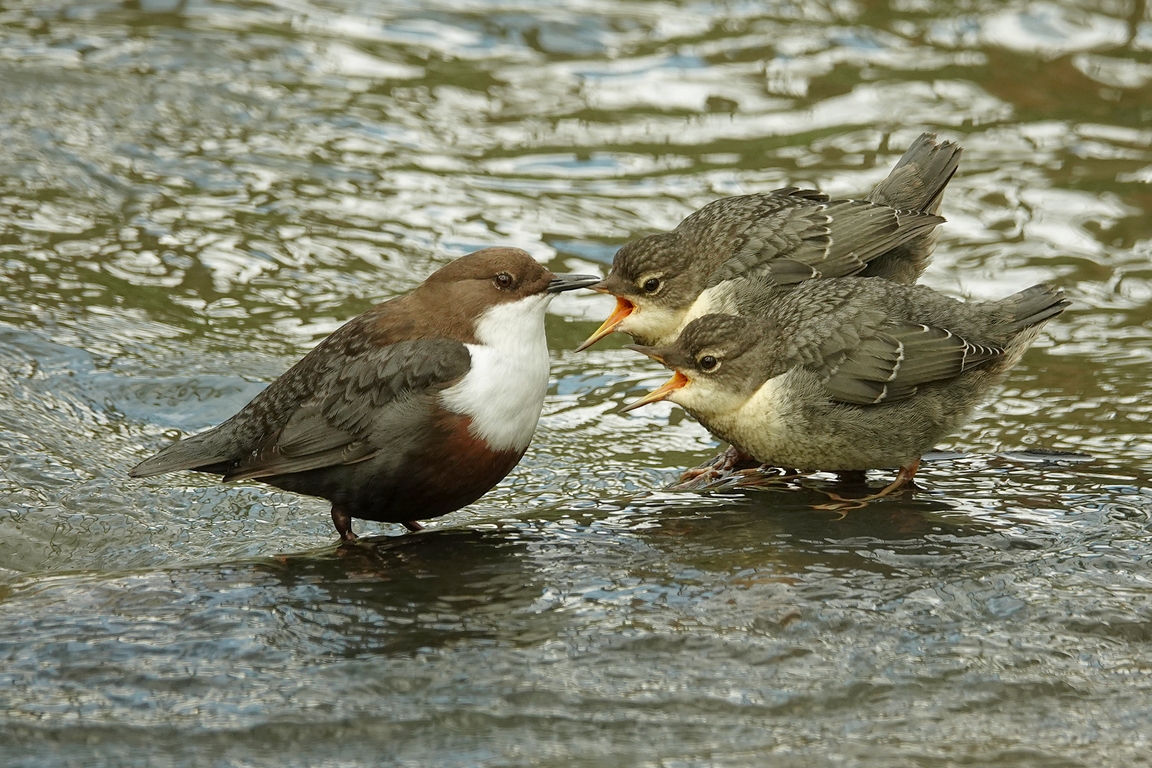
x=316 y=417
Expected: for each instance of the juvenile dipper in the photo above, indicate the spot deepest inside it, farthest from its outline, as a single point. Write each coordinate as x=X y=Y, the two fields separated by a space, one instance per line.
x=409 y=411
x=849 y=373
x=663 y=281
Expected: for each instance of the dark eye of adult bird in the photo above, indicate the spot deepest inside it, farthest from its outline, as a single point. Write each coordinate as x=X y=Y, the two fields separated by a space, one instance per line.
x=652 y=284
x=708 y=363
x=503 y=280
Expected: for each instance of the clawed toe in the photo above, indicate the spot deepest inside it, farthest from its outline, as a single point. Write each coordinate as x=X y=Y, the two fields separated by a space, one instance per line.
x=903 y=481
x=764 y=477
x=718 y=470
x=840 y=504
x=695 y=479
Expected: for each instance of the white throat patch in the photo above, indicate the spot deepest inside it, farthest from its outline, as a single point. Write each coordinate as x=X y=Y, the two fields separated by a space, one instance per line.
x=710 y=301
x=503 y=392
x=653 y=324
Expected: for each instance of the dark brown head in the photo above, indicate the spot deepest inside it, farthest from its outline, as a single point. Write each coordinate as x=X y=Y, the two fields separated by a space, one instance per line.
x=719 y=360
x=486 y=277
x=494 y=281
x=472 y=284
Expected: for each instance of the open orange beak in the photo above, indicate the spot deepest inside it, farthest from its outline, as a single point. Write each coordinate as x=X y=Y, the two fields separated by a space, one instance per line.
x=623 y=309
x=677 y=381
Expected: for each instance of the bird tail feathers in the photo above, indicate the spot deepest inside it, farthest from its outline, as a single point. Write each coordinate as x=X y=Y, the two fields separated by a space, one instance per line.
x=917 y=182
x=1037 y=305
x=199 y=452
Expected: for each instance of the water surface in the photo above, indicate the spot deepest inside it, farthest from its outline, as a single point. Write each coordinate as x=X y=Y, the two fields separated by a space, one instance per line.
x=192 y=194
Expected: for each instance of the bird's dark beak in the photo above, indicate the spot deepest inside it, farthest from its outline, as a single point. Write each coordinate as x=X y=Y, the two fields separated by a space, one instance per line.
x=561 y=283
x=677 y=381
x=647 y=351
x=623 y=309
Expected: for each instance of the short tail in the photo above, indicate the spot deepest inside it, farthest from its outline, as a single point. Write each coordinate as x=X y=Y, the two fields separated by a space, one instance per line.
x=199 y=452
x=917 y=182
x=1037 y=305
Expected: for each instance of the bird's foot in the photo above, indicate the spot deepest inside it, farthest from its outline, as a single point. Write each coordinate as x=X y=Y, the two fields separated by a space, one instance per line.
x=843 y=505
x=413 y=526
x=715 y=470
x=765 y=476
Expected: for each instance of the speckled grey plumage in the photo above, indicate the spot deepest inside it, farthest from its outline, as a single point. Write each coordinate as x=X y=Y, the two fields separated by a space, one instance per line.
x=786 y=236
x=851 y=373
x=884 y=235
x=761 y=234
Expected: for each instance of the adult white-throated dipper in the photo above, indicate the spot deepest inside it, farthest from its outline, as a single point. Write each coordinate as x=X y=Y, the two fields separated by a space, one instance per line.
x=409 y=411
x=662 y=282
x=848 y=373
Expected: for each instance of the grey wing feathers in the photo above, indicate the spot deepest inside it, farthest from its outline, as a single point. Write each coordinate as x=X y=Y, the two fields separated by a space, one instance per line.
x=373 y=392
x=891 y=364
x=317 y=445
x=839 y=238
x=783 y=224
x=863 y=230
x=291 y=427
x=831 y=239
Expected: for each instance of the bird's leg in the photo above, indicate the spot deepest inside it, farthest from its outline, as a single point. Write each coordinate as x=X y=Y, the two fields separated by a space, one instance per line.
x=714 y=470
x=413 y=526
x=903 y=477
x=343 y=522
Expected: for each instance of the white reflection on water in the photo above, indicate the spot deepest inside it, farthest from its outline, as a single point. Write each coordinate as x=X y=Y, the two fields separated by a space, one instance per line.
x=194 y=193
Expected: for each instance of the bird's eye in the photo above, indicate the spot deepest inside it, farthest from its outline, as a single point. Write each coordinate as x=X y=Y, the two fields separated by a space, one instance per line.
x=503 y=280
x=651 y=285
x=708 y=363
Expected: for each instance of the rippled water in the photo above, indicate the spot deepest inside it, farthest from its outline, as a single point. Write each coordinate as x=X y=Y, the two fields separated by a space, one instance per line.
x=193 y=193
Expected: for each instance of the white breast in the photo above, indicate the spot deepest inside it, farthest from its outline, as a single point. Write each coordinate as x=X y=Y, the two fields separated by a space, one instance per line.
x=715 y=300
x=503 y=392
x=704 y=305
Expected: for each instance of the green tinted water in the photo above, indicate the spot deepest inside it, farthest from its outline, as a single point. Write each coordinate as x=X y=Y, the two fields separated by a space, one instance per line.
x=192 y=194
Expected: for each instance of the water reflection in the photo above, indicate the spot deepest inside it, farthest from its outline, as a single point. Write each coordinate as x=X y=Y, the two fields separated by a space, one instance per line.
x=194 y=193
x=410 y=594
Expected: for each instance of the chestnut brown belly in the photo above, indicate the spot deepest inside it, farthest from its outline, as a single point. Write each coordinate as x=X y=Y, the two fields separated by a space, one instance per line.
x=445 y=468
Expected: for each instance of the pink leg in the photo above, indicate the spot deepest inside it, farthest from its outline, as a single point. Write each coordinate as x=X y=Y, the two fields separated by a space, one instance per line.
x=903 y=477
x=714 y=470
